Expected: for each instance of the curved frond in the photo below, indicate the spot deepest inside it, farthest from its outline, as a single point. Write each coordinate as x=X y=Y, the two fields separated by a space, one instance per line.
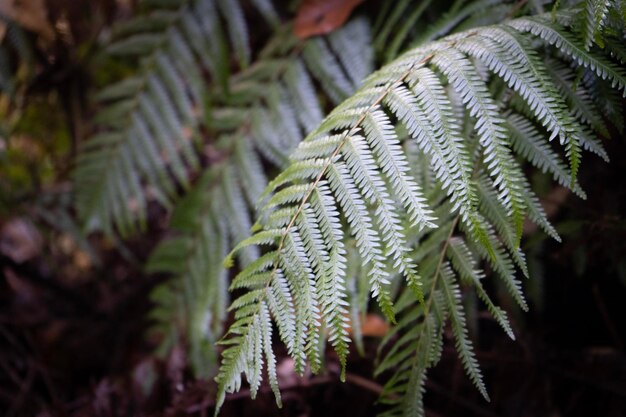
x=353 y=171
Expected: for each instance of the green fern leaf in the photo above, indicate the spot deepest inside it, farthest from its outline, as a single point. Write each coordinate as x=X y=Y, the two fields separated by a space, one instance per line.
x=250 y=128
x=354 y=167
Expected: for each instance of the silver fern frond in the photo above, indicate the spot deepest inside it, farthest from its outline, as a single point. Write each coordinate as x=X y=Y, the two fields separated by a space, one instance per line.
x=356 y=161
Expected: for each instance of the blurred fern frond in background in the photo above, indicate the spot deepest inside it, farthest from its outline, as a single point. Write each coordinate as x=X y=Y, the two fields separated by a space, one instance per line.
x=271 y=106
x=149 y=131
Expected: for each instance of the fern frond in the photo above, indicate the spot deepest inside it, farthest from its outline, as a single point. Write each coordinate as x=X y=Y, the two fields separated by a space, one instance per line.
x=355 y=160
x=528 y=142
x=151 y=120
x=503 y=266
x=594 y=17
x=569 y=45
x=464 y=263
x=252 y=121
x=606 y=99
x=452 y=296
x=495 y=213
x=198 y=307
x=456 y=16
x=404 y=392
x=490 y=130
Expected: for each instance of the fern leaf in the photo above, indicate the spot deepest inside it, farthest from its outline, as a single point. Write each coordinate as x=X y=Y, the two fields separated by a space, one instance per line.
x=368 y=243
x=227 y=193
x=155 y=115
x=567 y=44
x=528 y=142
x=452 y=296
x=595 y=14
x=463 y=263
x=385 y=144
x=430 y=107
x=353 y=166
x=491 y=133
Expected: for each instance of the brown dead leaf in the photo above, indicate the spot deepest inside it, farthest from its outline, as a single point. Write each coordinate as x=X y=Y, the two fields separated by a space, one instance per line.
x=374 y=326
x=318 y=17
x=30 y=14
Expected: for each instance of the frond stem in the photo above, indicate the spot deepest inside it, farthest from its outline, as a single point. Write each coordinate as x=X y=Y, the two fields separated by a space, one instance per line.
x=439 y=265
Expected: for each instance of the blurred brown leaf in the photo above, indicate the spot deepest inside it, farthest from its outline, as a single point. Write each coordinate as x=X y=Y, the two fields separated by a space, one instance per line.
x=318 y=17
x=374 y=326
x=30 y=14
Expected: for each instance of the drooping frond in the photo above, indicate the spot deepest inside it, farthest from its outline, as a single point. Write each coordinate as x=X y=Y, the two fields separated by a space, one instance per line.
x=191 y=302
x=148 y=133
x=594 y=17
x=272 y=104
x=528 y=141
x=606 y=99
x=464 y=263
x=452 y=297
x=356 y=161
x=569 y=45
